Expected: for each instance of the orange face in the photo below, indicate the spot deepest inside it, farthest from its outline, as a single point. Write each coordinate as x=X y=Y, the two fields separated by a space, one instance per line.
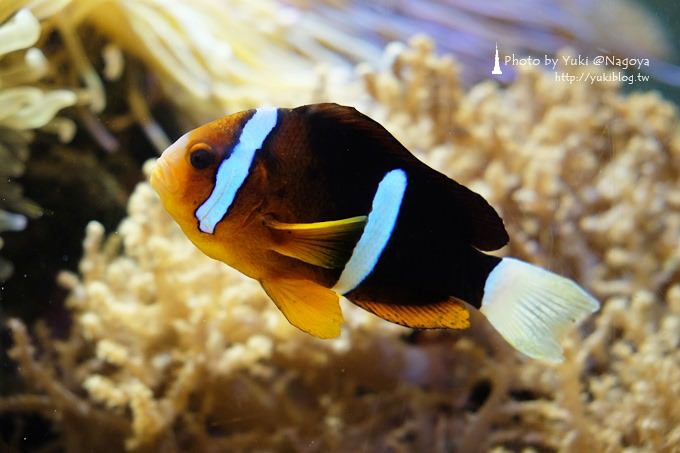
x=185 y=174
x=220 y=192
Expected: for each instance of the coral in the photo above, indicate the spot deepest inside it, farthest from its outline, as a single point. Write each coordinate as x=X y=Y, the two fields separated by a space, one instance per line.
x=587 y=182
x=175 y=352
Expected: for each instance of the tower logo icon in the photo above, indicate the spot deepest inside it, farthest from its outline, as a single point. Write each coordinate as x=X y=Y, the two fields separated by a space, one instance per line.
x=496 y=64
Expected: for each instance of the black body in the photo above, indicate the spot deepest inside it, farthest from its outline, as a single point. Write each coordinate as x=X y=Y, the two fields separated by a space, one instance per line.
x=336 y=160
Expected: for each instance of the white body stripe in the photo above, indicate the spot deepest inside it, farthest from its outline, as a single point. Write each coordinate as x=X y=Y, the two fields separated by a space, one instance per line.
x=233 y=171
x=378 y=230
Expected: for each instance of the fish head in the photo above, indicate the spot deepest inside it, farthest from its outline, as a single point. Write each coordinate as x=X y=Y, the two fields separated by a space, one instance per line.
x=185 y=175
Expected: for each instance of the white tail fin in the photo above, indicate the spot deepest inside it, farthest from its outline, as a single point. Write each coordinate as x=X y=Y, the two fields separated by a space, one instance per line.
x=532 y=308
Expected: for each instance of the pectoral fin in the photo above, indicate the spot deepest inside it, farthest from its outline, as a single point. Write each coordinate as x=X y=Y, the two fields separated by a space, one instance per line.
x=308 y=306
x=325 y=244
x=450 y=313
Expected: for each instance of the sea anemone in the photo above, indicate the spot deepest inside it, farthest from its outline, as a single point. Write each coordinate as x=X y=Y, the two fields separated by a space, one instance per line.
x=24 y=106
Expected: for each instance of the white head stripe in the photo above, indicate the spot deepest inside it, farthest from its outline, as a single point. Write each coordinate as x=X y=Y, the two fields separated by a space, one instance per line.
x=233 y=171
x=378 y=230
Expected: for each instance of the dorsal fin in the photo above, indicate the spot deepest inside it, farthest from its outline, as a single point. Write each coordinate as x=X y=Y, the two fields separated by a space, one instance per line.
x=485 y=229
x=485 y=226
x=329 y=116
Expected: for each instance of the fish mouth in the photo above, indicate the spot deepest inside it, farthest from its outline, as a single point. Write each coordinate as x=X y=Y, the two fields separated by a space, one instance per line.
x=162 y=179
x=164 y=176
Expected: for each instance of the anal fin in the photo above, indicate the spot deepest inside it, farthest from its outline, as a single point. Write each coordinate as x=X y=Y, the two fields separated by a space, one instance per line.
x=450 y=313
x=326 y=244
x=308 y=306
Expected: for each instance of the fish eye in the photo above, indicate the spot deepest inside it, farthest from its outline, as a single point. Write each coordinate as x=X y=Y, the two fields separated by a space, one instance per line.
x=201 y=156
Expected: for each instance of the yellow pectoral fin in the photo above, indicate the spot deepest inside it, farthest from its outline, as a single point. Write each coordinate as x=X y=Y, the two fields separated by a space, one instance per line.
x=448 y=314
x=325 y=244
x=308 y=306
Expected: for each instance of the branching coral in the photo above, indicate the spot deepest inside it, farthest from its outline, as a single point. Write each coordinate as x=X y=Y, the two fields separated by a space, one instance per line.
x=179 y=353
x=587 y=181
x=222 y=367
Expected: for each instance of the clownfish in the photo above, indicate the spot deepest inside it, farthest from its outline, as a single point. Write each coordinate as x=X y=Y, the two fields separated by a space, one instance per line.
x=321 y=201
